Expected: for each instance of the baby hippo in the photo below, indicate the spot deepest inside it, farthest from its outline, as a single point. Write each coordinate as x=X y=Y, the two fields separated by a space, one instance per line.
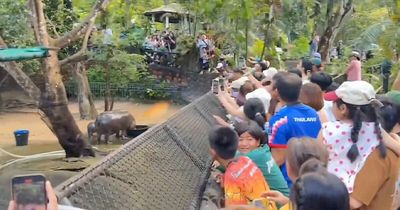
x=111 y=122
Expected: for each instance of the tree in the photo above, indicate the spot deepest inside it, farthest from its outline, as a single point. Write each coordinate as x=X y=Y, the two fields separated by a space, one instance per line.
x=336 y=15
x=19 y=76
x=53 y=100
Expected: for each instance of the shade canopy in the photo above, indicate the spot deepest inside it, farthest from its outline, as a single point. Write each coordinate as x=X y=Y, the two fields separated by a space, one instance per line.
x=17 y=54
x=174 y=11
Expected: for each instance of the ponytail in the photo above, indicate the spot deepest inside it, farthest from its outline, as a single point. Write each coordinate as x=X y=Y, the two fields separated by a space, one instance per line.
x=358 y=114
x=254 y=110
x=356 y=117
x=312 y=165
x=382 y=148
x=260 y=120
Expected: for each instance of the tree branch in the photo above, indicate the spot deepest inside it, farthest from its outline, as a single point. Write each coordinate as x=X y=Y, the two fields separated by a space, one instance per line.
x=77 y=32
x=81 y=54
x=52 y=26
x=33 y=17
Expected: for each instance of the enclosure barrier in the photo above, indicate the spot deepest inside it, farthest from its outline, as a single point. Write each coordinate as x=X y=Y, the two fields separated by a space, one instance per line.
x=132 y=90
x=164 y=168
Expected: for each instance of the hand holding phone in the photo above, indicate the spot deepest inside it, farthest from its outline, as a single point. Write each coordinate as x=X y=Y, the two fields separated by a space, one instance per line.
x=215 y=86
x=32 y=192
x=222 y=84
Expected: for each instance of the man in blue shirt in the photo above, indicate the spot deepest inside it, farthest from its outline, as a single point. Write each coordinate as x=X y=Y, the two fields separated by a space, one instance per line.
x=293 y=120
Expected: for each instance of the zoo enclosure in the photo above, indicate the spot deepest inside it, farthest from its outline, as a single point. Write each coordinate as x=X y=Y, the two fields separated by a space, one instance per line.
x=132 y=90
x=167 y=167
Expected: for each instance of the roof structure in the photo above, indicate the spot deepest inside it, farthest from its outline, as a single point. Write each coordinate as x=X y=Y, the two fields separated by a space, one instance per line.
x=174 y=11
x=17 y=54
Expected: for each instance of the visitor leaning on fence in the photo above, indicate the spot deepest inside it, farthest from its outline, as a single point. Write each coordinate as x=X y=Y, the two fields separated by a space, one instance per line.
x=293 y=120
x=243 y=182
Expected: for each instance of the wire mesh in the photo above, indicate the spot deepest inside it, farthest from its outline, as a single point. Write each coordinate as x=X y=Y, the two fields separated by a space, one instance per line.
x=165 y=168
x=133 y=90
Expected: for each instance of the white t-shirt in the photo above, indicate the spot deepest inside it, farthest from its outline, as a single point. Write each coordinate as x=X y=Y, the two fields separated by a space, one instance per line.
x=328 y=109
x=262 y=94
x=337 y=138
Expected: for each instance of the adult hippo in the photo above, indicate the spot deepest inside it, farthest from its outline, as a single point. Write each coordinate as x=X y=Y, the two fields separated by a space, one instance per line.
x=111 y=122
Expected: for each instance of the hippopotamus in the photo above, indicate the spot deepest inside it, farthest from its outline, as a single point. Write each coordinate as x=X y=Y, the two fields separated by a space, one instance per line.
x=91 y=129
x=111 y=122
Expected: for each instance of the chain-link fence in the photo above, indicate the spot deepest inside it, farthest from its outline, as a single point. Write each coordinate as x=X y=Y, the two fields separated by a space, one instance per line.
x=132 y=90
x=165 y=168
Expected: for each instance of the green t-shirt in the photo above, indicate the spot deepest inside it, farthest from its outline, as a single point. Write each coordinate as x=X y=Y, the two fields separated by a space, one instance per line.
x=262 y=157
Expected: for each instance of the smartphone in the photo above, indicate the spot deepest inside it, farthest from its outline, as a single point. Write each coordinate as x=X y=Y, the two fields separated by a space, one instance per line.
x=215 y=84
x=222 y=84
x=262 y=203
x=29 y=192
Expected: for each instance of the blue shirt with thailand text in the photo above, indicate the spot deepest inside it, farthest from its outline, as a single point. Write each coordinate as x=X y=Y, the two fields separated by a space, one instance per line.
x=298 y=121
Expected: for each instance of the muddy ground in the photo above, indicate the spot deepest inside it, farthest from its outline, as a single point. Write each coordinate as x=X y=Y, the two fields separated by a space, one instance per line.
x=41 y=140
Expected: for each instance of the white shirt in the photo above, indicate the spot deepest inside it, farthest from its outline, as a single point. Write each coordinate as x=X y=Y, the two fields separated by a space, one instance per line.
x=337 y=138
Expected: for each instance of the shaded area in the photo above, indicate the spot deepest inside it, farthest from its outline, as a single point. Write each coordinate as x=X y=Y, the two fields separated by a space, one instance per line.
x=174 y=9
x=11 y=94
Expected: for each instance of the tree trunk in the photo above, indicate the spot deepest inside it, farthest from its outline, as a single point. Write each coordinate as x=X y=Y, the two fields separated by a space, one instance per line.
x=128 y=7
x=87 y=109
x=108 y=97
x=53 y=101
x=247 y=38
x=54 y=104
x=335 y=21
x=396 y=83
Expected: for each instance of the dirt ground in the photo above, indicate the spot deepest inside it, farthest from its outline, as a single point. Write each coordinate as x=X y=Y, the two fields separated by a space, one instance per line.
x=41 y=139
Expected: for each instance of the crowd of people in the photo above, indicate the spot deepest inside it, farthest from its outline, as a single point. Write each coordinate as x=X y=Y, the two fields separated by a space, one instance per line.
x=297 y=140
x=206 y=52
x=160 y=45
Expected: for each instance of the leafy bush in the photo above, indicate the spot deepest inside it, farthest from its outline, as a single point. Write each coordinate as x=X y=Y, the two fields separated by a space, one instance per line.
x=300 y=48
x=123 y=68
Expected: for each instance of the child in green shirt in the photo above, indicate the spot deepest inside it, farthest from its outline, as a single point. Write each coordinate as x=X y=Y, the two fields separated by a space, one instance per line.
x=252 y=143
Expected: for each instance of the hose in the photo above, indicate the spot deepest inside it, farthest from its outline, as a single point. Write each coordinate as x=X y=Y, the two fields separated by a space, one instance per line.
x=27 y=156
x=59 y=153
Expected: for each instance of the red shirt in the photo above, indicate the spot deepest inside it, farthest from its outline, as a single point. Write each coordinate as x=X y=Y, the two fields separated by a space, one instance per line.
x=244 y=182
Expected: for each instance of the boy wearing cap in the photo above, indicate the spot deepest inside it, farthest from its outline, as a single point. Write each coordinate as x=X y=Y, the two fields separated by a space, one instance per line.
x=353 y=71
x=357 y=154
x=293 y=120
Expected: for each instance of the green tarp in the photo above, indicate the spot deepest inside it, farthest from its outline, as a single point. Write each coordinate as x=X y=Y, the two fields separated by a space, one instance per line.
x=17 y=54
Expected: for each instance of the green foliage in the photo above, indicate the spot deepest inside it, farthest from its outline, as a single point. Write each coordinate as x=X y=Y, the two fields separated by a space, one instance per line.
x=300 y=48
x=364 y=28
x=14 y=23
x=123 y=68
x=185 y=43
x=257 y=47
x=294 y=20
x=157 y=93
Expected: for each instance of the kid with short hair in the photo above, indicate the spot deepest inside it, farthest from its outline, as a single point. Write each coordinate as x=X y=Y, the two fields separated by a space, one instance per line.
x=243 y=182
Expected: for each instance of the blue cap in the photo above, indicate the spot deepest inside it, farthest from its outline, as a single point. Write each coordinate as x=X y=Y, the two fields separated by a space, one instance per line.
x=317 y=55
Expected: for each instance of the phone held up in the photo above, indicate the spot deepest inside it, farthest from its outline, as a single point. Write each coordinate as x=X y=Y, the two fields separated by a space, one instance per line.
x=29 y=192
x=222 y=83
x=215 y=84
x=218 y=84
